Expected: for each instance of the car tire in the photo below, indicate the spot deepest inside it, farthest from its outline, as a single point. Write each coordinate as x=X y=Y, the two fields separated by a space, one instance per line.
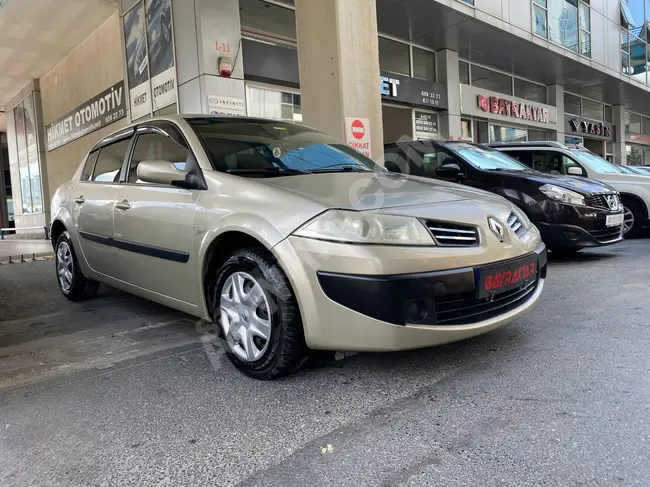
x=72 y=283
x=265 y=298
x=632 y=208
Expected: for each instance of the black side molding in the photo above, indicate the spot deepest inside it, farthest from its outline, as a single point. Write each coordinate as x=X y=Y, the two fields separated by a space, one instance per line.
x=160 y=253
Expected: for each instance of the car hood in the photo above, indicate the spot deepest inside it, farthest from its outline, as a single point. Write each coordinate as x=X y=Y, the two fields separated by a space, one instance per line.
x=624 y=178
x=375 y=190
x=579 y=184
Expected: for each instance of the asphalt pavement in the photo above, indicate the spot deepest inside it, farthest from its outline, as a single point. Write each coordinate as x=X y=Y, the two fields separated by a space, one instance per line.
x=121 y=392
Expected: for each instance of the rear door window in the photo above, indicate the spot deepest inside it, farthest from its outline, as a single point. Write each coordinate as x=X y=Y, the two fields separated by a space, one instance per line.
x=109 y=162
x=89 y=167
x=548 y=161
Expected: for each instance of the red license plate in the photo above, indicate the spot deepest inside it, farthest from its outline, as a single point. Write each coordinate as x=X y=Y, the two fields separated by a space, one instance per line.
x=499 y=278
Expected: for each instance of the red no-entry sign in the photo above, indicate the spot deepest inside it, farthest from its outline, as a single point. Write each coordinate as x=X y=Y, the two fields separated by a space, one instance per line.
x=357 y=134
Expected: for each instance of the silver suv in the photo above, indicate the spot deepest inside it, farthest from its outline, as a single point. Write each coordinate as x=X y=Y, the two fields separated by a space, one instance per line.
x=290 y=240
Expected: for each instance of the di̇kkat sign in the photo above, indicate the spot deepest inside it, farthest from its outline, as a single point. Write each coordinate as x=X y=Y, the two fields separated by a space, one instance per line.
x=151 y=71
x=101 y=110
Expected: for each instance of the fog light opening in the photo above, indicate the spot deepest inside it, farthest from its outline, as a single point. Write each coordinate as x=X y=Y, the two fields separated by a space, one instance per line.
x=573 y=236
x=416 y=311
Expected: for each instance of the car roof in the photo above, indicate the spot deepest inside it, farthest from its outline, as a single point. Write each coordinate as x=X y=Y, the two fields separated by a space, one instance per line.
x=176 y=118
x=528 y=144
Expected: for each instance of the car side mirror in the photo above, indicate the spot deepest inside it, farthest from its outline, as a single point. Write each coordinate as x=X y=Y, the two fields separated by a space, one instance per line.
x=575 y=171
x=162 y=172
x=450 y=170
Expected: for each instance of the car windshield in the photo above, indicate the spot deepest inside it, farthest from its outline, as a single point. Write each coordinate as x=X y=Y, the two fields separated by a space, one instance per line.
x=486 y=158
x=596 y=163
x=266 y=148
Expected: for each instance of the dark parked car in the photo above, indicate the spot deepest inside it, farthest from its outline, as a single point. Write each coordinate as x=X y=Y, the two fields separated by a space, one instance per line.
x=571 y=212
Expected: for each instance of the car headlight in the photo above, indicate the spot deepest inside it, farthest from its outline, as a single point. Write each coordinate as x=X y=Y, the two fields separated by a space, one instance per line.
x=366 y=228
x=561 y=194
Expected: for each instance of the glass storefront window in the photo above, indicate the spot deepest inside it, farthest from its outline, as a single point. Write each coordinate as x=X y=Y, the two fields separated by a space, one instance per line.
x=424 y=64
x=634 y=155
x=26 y=192
x=491 y=80
x=530 y=91
x=632 y=123
x=608 y=114
x=537 y=135
x=466 y=129
x=394 y=57
x=572 y=104
x=592 y=109
x=258 y=16
x=35 y=184
x=463 y=68
x=499 y=133
x=273 y=104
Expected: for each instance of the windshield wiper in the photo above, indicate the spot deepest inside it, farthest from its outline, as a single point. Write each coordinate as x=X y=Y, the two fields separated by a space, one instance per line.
x=341 y=169
x=272 y=171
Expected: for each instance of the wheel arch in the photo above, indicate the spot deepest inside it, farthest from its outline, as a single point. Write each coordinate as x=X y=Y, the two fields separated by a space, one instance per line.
x=638 y=200
x=217 y=250
x=56 y=229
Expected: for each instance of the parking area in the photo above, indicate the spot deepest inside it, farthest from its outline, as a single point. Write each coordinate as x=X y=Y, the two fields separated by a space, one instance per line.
x=120 y=391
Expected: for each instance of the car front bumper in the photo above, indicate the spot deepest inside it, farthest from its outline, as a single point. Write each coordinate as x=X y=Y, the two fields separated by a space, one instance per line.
x=349 y=303
x=559 y=236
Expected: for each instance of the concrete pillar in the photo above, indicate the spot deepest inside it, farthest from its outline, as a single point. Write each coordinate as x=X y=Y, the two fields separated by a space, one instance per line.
x=620 y=154
x=448 y=74
x=203 y=35
x=555 y=97
x=338 y=58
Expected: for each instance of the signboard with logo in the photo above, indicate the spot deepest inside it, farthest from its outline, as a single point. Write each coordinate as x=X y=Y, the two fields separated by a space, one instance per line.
x=101 y=110
x=505 y=108
x=591 y=129
x=151 y=71
x=226 y=105
x=412 y=91
x=426 y=124
x=357 y=134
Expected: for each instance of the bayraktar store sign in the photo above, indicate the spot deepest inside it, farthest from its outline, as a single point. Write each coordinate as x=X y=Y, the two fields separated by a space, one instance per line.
x=100 y=111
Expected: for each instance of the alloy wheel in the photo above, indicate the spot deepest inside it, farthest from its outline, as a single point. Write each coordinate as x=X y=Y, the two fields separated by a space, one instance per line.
x=245 y=316
x=628 y=220
x=64 y=266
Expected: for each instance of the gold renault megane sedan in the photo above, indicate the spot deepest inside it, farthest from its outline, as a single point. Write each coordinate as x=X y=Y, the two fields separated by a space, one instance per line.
x=290 y=241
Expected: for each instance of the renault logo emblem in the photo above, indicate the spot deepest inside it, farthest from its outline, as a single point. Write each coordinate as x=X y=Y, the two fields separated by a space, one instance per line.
x=497 y=228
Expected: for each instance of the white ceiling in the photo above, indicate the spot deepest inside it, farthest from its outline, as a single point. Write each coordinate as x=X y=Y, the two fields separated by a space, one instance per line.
x=37 y=34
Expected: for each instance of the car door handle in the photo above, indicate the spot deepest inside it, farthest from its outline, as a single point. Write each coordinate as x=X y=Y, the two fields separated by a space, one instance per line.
x=80 y=200
x=123 y=205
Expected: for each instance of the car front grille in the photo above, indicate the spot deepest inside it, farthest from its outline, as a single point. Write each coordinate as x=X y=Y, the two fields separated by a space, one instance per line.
x=600 y=201
x=465 y=308
x=515 y=225
x=453 y=235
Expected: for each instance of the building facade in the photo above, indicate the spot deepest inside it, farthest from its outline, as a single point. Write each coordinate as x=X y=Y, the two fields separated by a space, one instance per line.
x=365 y=71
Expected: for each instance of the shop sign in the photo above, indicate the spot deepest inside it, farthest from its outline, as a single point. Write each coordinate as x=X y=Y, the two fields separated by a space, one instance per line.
x=426 y=124
x=357 y=134
x=100 y=111
x=496 y=106
x=588 y=128
x=226 y=105
x=412 y=91
x=512 y=108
